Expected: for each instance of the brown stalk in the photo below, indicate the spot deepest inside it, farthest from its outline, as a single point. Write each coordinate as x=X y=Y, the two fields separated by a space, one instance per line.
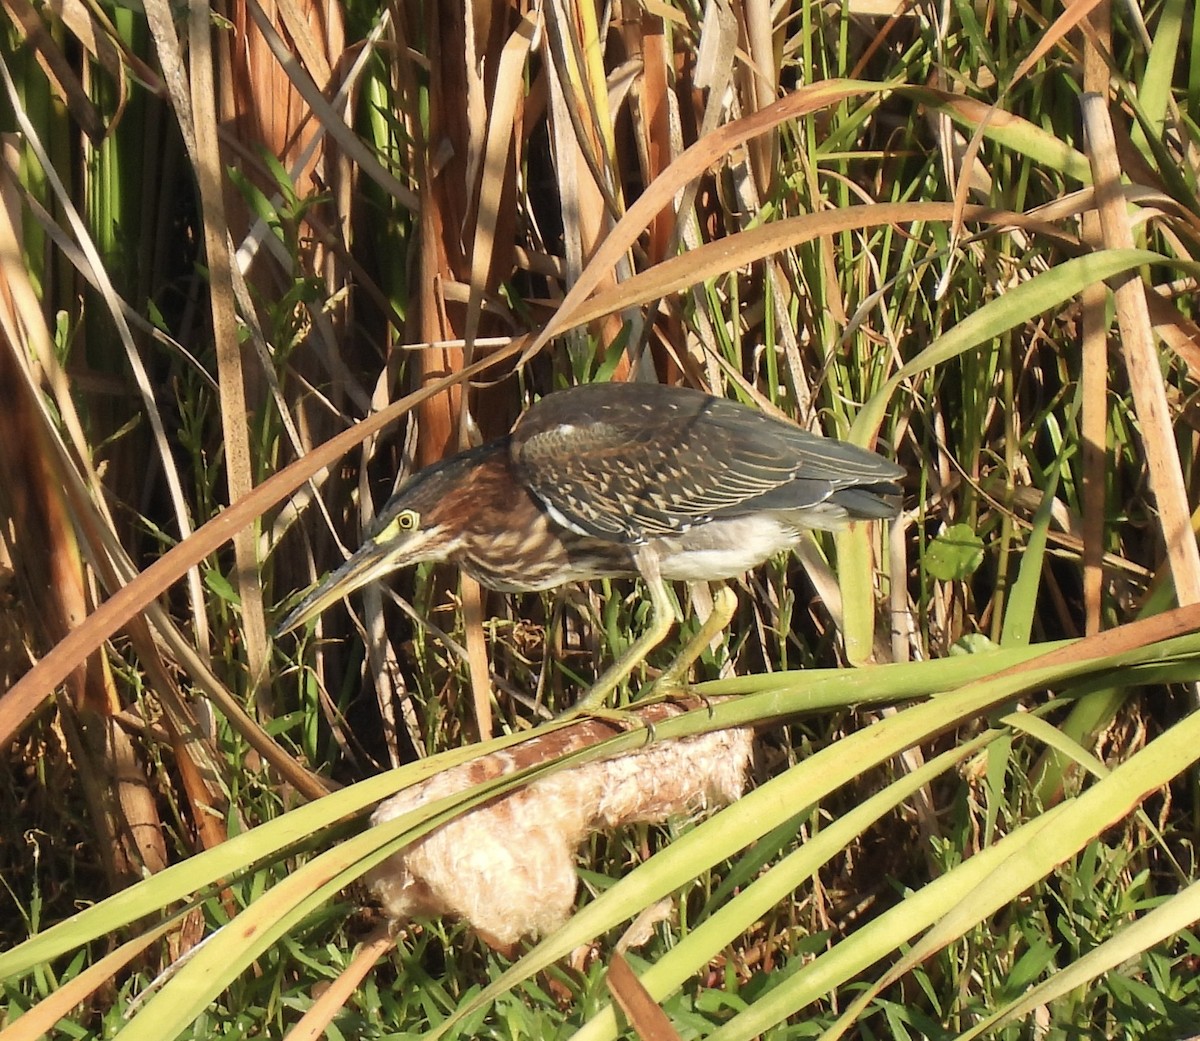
x=129 y=835
x=443 y=206
x=57 y=600
x=759 y=88
x=581 y=127
x=263 y=109
x=645 y=1015
x=468 y=196
x=325 y=1006
x=647 y=38
x=1094 y=376
x=85 y=503
x=230 y=367
x=61 y=76
x=91 y=27
x=1142 y=361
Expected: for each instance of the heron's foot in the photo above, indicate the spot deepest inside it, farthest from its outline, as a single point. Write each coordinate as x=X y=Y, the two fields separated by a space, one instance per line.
x=626 y=719
x=595 y=701
x=673 y=681
x=597 y=697
x=670 y=685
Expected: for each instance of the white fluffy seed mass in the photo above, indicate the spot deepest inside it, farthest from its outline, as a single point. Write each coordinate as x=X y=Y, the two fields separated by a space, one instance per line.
x=508 y=867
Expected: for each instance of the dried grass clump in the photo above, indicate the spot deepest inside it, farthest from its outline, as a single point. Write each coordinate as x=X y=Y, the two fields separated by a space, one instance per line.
x=508 y=868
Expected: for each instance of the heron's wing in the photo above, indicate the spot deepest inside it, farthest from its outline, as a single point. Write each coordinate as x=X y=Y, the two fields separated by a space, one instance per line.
x=632 y=462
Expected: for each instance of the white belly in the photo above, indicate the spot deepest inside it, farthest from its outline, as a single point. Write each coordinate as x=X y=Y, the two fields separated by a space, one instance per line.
x=723 y=548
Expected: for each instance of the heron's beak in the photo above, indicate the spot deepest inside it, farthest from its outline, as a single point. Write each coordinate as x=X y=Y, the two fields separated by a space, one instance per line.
x=372 y=561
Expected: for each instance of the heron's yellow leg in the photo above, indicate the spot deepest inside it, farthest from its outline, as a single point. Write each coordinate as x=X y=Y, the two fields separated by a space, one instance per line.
x=724 y=604
x=662 y=617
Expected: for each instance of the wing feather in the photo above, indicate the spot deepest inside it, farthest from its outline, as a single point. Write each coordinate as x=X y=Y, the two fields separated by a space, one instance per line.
x=629 y=462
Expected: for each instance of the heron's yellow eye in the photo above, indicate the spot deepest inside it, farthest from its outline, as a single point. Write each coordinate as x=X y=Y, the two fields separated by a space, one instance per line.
x=405 y=520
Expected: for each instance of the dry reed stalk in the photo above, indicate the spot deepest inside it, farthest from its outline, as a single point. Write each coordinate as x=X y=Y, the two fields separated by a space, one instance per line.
x=1094 y=376
x=57 y=595
x=1142 y=362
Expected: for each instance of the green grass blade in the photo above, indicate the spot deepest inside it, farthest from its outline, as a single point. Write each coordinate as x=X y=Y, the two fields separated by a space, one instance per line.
x=1044 y=292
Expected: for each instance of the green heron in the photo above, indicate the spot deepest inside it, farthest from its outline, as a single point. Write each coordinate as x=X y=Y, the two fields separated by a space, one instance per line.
x=620 y=479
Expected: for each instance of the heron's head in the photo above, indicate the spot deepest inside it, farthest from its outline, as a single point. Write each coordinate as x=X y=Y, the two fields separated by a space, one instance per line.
x=426 y=520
